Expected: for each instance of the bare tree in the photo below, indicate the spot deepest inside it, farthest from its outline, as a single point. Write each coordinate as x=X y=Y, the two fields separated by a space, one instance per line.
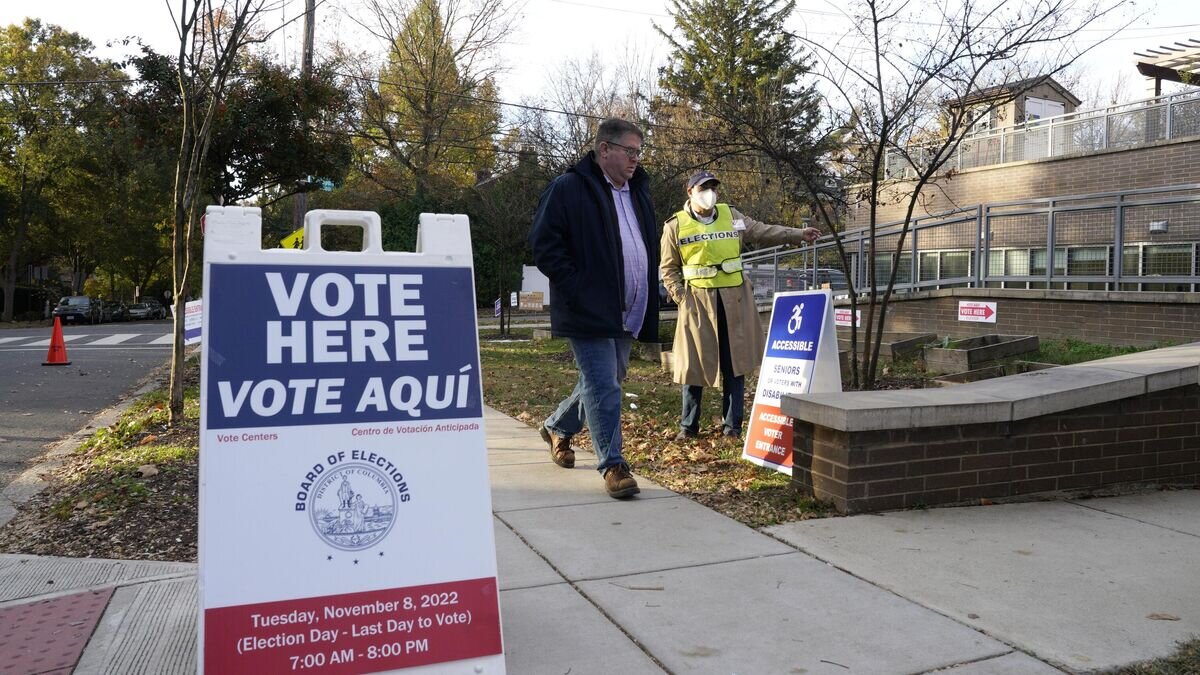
x=212 y=34
x=898 y=83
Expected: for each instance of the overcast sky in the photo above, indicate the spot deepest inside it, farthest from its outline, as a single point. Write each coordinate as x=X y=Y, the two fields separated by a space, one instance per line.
x=551 y=31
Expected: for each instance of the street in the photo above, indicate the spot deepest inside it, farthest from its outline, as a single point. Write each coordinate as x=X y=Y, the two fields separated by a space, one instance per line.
x=41 y=404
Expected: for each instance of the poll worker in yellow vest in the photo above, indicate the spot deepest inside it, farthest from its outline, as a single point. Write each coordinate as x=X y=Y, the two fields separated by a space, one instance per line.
x=718 y=338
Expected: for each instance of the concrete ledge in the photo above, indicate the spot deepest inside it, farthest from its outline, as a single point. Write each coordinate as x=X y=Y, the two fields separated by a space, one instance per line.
x=1004 y=399
x=1151 y=297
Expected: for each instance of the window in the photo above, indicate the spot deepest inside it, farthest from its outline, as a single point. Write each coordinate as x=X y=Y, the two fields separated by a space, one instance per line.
x=1087 y=261
x=1167 y=260
x=1040 y=108
x=955 y=264
x=883 y=269
x=1037 y=262
x=929 y=266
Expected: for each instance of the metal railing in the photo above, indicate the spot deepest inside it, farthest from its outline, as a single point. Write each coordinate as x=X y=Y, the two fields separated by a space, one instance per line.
x=1134 y=240
x=1126 y=125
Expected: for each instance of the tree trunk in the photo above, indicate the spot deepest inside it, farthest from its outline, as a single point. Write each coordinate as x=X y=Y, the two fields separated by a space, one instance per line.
x=14 y=256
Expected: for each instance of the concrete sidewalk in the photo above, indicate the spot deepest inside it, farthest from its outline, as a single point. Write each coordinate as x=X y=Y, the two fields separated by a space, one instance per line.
x=661 y=584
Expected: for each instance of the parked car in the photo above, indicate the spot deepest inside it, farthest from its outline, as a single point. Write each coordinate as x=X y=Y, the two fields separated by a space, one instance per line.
x=104 y=310
x=118 y=310
x=835 y=279
x=77 y=309
x=157 y=310
x=141 y=311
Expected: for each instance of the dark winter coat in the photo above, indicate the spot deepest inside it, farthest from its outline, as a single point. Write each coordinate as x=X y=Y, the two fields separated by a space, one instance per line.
x=576 y=242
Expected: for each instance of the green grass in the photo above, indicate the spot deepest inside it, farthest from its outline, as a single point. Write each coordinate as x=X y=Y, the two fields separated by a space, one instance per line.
x=148 y=412
x=1185 y=661
x=109 y=477
x=1068 y=351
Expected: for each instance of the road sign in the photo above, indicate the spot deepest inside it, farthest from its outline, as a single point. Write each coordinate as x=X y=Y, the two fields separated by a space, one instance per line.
x=801 y=357
x=532 y=301
x=293 y=240
x=345 y=510
x=984 y=312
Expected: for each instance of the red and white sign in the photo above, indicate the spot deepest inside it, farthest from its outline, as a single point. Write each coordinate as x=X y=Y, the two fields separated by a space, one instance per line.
x=345 y=509
x=984 y=312
x=841 y=317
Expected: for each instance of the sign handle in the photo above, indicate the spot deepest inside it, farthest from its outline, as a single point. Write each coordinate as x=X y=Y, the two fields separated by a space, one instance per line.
x=367 y=220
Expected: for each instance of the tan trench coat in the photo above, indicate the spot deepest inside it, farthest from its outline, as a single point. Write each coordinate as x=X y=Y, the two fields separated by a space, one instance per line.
x=695 y=353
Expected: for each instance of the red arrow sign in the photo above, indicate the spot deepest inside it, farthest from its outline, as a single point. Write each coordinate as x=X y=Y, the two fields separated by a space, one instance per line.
x=976 y=311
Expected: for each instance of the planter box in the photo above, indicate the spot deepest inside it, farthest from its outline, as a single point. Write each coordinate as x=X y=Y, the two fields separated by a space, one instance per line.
x=1014 y=368
x=977 y=352
x=894 y=345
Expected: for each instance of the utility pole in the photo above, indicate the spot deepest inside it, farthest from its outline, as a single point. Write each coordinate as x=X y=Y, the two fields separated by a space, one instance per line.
x=300 y=203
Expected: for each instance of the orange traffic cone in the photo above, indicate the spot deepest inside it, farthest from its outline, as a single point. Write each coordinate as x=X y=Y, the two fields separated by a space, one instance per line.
x=57 y=356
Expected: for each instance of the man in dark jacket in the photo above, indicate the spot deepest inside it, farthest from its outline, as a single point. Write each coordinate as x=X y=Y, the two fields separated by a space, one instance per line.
x=594 y=236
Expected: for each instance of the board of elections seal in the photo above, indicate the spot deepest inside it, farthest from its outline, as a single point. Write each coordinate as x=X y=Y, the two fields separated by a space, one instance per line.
x=353 y=507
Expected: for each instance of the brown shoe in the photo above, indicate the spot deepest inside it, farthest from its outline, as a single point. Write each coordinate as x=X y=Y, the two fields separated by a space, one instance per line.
x=684 y=435
x=560 y=448
x=619 y=483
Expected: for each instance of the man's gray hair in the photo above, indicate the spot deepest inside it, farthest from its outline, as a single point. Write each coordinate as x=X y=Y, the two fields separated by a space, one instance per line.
x=613 y=129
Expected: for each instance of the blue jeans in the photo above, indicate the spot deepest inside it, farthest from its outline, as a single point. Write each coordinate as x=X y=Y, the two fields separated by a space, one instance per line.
x=733 y=387
x=597 y=397
x=732 y=404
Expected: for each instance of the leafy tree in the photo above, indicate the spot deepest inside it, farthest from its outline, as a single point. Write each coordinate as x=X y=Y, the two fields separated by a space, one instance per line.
x=43 y=115
x=736 y=83
x=737 y=96
x=502 y=209
x=428 y=115
x=274 y=129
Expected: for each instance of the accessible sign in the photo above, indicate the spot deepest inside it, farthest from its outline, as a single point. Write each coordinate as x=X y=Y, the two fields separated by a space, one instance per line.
x=800 y=358
x=345 y=509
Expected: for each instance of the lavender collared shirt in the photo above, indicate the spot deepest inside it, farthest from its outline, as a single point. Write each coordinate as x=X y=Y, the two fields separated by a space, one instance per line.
x=637 y=288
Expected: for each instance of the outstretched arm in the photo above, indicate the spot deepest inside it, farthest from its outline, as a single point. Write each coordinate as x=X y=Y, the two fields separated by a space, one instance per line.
x=765 y=234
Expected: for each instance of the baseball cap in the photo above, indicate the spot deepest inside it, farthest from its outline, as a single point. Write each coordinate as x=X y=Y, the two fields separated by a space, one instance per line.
x=701 y=177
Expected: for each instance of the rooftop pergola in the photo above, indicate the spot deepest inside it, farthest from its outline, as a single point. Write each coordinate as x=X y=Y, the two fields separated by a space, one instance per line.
x=1176 y=62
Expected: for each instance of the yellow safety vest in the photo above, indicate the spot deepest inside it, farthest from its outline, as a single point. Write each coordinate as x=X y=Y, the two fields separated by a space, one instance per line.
x=710 y=252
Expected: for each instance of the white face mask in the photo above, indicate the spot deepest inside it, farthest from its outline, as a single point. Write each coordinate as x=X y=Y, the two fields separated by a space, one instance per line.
x=704 y=200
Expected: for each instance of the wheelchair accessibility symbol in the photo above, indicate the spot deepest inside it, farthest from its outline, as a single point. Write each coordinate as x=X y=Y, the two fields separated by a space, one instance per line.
x=793 y=323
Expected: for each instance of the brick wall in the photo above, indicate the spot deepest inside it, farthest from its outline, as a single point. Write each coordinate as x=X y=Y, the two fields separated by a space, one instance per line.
x=1154 y=438
x=1175 y=162
x=1128 y=318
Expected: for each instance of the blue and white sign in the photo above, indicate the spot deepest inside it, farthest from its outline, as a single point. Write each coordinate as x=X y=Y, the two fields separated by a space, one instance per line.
x=345 y=507
x=193 y=315
x=306 y=345
x=800 y=358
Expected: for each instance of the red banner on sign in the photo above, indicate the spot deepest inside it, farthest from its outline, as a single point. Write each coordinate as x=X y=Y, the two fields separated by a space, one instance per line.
x=769 y=435
x=356 y=633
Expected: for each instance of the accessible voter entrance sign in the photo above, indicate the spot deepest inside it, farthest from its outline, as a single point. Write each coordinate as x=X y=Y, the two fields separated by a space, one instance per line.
x=801 y=357
x=345 y=509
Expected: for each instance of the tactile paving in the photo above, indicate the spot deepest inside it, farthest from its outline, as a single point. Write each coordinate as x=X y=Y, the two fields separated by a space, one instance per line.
x=48 y=636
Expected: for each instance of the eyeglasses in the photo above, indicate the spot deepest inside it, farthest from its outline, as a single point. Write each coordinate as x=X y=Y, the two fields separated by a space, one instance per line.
x=631 y=153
